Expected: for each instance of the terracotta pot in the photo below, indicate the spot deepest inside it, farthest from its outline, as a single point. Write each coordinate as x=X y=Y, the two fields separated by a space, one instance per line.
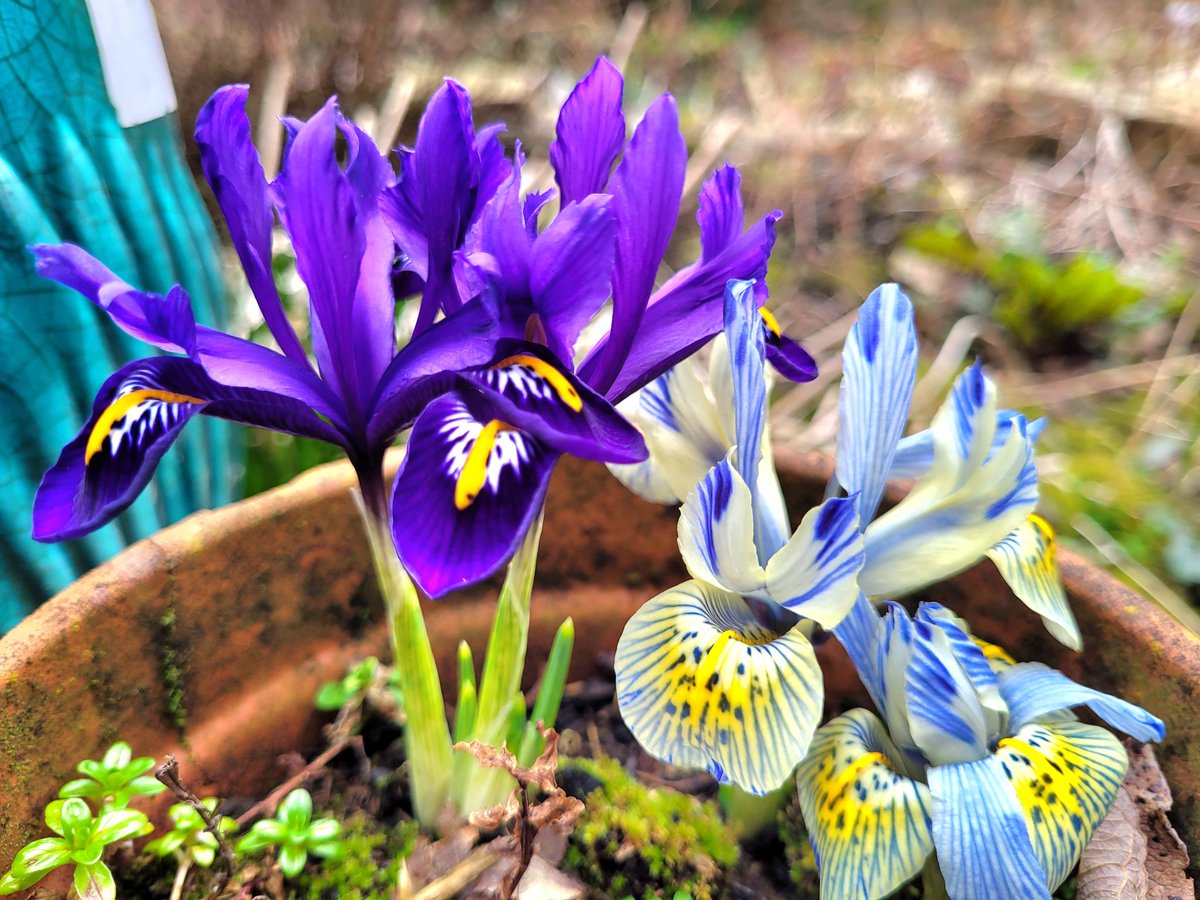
x=209 y=640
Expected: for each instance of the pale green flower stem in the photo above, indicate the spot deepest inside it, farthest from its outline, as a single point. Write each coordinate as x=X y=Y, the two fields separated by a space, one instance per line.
x=476 y=787
x=426 y=732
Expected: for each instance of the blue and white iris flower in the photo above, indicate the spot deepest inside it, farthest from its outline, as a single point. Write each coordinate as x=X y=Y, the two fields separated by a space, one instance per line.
x=973 y=755
x=719 y=672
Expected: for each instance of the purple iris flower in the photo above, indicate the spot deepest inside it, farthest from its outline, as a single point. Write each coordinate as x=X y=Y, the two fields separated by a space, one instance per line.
x=361 y=392
x=480 y=457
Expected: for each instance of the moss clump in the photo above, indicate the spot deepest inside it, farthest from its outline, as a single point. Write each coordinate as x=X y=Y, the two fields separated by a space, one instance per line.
x=174 y=663
x=801 y=861
x=642 y=841
x=368 y=868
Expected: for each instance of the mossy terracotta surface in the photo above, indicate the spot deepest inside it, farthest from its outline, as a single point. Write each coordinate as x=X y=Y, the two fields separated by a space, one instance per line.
x=210 y=639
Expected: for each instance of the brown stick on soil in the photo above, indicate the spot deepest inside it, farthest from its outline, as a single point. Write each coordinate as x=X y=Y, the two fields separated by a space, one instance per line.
x=269 y=802
x=168 y=774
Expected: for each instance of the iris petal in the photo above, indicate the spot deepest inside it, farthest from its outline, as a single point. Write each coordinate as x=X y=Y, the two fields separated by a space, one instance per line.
x=163 y=322
x=701 y=683
x=879 y=363
x=589 y=134
x=1026 y=561
x=983 y=845
x=1032 y=690
x=870 y=825
x=232 y=169
x=1065 y=777
x=716 y=533
x=137 y=414
x=814 y=574
x=465 y=494
x=952 y=517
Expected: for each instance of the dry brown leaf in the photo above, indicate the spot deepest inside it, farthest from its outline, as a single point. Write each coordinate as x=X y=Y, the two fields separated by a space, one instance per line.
x=1135 y=852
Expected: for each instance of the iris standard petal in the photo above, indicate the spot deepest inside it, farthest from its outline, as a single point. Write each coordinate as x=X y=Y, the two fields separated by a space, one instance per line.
x=814 y=574
x=234 y=173
x=1026 y=561
x=163 y=322
x=1065 y=777
x=499 y=231
x=946 y=719
x=571 y=270
x=1032 y=689
x=136 y=416
x=979 y=831
x=647 y=188
x=720 y=211
x=927 y=538
x=700 y=682
x=589 y=134
x=869 y=824
x=974 y=663
x=684 y=317
x=465 y=494
x=446 y=170
x=716 y=528
x=914 y=454
x=879 y=364
x=343 y=251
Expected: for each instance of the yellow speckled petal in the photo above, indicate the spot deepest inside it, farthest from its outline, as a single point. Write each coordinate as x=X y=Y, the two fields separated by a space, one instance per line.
x=700 y=682
x=1026 y=561
x=870 y=825
x=1066 y=777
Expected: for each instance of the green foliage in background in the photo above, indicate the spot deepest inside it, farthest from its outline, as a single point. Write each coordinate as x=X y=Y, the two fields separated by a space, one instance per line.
x=1042 y=301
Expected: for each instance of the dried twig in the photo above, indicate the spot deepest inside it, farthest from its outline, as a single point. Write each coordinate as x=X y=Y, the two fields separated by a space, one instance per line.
x=312 y=769
x=168 y=774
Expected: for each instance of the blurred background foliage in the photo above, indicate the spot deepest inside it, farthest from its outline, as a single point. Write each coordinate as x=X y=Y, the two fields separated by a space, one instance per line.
x=1030 y=172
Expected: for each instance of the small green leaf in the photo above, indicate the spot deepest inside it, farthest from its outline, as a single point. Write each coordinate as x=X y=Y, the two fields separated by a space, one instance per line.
x=33 y=861
x=465 y=713
x=88 y=854
x=53 y=816
x=331 y=696
x=145 y=786
x=118 y=756
x=466 y=667
x=165 y=845
x=516 y=720
x=76 y=822
x=132 y=770
x=549 y=698
x=95 y=882
x=203 y=856
x=93 y=769
x=81 y=787
x=264 y=833
x=296 y=810
x=291 y=859
x=119 y=824
x=323 y=830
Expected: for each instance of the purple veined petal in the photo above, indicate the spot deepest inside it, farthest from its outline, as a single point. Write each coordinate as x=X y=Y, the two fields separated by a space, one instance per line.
x=500 y=232
x=163 y=322
x=786 y=355
x=979 y=832
x=446 y=169
x=494 y=166
x=331 y=217
x=534 y=201
x=571 y=271
x=236 y=362
x=720 y=213
x=465 y=495
x=425 y=366
x=136 y=416
x=589 y=134
x=400 y=205
x=880 y=365
x=647 y=188
x=684 y=317
x=233 y=171
x=529 y=389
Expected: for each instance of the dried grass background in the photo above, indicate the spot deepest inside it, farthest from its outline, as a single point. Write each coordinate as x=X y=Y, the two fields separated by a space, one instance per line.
x=859 y=122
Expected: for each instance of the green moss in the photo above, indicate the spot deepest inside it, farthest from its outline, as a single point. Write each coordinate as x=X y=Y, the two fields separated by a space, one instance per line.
x=801 y=861
x=369 y=868
x=642 y=841
x=173 y=661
